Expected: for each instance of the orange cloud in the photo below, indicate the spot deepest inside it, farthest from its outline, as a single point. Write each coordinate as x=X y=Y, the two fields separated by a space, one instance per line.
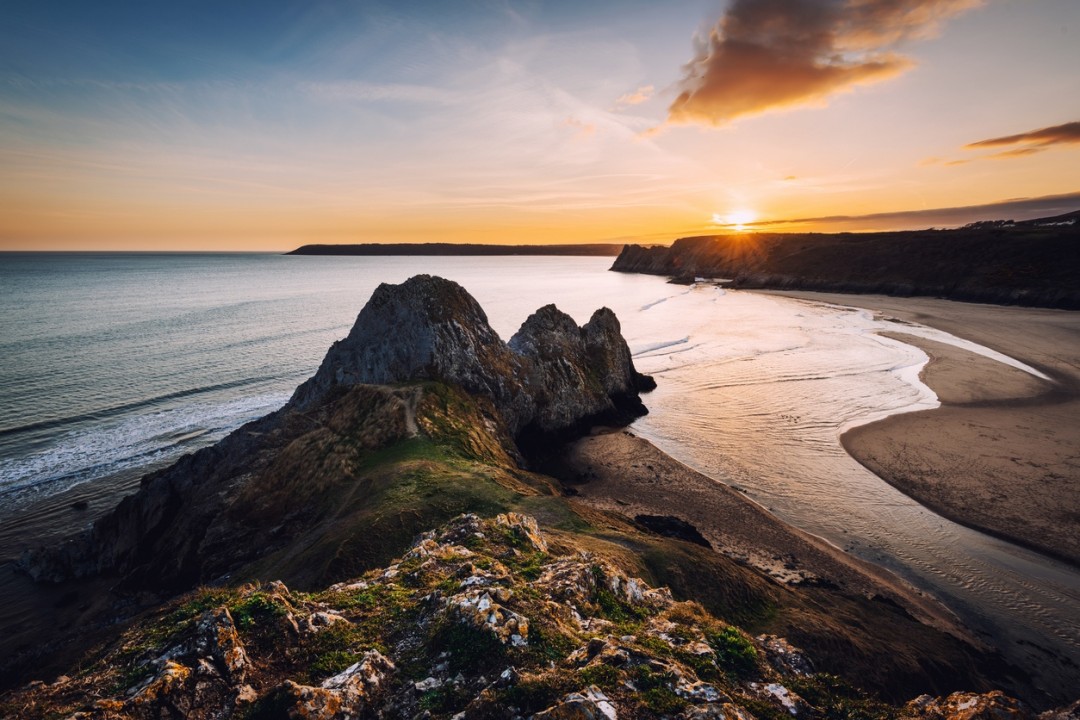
x=637 y=97
x=1035 y=140
x=1016 y=152
x=766 y=55
x=1027 y=144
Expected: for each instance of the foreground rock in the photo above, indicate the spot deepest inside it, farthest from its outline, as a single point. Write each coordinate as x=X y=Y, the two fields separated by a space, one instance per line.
x=592 y=642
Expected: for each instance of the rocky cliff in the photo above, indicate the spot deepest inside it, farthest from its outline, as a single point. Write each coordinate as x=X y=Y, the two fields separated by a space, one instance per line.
x=268 y=486
x=552 y=376
x=1028 y=263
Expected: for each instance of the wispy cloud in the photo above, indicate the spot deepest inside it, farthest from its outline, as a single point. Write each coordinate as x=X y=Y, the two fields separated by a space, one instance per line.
x=377 y=92
x=636 y=97
x=582 y=128
x=1033 y=141
x=765 y=55
x=1023 y=144
x=1013 y=209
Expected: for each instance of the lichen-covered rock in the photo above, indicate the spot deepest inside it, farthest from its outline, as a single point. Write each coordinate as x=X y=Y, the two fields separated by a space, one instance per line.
x=589 y=704
x=482 y=610
x=163 y=690
x=578 y=582
x=994 y=705
x=607 y=651
x=1069 y=712
x=784 y=656
x=216 y=636
x=474 y=621
x=345 y=695
x=717 y=711
x=319 y=621
x=525 y=528
x=786 y=698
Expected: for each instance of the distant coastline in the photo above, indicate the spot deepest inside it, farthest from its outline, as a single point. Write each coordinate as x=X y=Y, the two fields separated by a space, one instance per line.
x=1032 y=263
x=456 y=249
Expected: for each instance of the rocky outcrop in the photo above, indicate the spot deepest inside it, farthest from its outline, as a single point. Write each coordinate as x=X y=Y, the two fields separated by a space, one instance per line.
x=610 y=647
x=994 y=705
x=274 y=482
x=552 y=376
x=349 y=694
x=1029 y=263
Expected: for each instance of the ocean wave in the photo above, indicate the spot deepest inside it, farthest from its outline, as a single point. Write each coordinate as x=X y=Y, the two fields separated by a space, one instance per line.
x=134 y=441
x=653 y=347
x=115 y=410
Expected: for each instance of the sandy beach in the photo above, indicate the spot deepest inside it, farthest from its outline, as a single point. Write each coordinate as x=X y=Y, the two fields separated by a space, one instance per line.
x=621 y=472
x=1002 y=453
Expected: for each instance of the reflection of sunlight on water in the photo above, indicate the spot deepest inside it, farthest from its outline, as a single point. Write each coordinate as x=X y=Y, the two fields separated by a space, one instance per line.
x=760 y=399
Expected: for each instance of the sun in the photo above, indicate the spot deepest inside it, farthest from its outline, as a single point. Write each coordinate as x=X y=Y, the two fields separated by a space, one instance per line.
x=737 y=220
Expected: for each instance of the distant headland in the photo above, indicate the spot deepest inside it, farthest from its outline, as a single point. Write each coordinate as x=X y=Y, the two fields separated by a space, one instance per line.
x=468 y=250
x=1033 y=262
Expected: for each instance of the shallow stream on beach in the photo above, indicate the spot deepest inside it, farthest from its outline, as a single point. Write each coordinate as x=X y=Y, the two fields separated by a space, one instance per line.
x=115 y=364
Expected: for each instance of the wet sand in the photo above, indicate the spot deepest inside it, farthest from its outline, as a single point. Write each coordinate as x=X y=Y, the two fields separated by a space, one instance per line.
x=620 y=472
x=1002 y=453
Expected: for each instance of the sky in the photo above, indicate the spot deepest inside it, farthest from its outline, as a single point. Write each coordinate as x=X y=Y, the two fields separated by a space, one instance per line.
x=225 y=125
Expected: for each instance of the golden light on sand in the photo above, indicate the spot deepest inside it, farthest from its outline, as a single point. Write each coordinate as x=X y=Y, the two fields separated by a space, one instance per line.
x=737 y=220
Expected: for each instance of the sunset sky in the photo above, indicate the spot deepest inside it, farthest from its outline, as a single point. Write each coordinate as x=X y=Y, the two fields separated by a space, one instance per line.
x=265 y=125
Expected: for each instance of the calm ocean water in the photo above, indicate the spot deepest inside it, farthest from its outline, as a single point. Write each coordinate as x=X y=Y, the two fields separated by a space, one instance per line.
x=114 y=364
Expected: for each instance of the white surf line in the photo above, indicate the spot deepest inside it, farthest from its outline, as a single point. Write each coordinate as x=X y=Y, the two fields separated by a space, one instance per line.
x=926 y=332
x=653 y=347
x=910 y=375
x=929 y=333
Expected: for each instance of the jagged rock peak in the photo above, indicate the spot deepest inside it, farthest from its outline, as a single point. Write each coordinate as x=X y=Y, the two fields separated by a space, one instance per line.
x=425 y=328
x=551 y=376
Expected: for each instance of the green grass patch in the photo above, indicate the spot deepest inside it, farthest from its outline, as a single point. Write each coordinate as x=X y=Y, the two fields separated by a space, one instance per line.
x=839 y=700
x=445 y=699
x=528 y=567
x=601 y=675
x=256 y=607
x=734 y=651
x=655 y=690
x=530 y=695
x=471 y=649
x=703 y=665
x=547 y=645
x=662 y=700
x=764 y=710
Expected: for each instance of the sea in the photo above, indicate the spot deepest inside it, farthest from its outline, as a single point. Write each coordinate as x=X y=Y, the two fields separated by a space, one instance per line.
x=117 y=364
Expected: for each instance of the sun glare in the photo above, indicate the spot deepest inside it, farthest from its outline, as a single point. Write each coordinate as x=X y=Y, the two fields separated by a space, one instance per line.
x=737 y=220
